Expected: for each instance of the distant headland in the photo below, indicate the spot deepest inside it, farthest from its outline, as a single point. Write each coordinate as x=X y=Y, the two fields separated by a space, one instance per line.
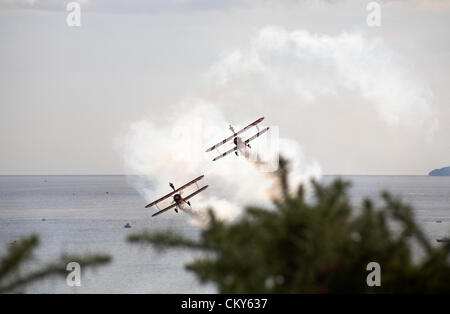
x=440 y=172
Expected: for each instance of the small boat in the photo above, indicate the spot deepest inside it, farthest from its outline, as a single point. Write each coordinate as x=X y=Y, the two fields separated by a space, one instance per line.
x=127 y=225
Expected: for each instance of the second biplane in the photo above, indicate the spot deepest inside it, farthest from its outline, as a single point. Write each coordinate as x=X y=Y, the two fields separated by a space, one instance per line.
x=240 y=145
x=178 y=201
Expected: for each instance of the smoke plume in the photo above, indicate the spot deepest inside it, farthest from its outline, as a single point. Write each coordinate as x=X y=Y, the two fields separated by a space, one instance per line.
x=274 y=70
x=173 y=150
x=297 y=68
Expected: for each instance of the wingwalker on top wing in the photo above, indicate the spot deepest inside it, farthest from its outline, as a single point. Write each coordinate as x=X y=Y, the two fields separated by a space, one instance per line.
x=240 y=145
x=178 y=202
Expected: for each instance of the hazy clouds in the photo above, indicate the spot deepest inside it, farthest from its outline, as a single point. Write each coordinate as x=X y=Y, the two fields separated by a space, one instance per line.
x=278 y=64
x=156 y=6
x=357 y=99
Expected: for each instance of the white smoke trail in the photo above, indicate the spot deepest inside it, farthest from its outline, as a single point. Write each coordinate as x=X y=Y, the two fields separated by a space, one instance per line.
x=174 y=151
x=298 y=67
x=282 y=68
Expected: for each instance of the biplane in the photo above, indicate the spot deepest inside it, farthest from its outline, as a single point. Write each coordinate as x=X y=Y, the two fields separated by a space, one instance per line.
x=178 y=201
x=239 y=144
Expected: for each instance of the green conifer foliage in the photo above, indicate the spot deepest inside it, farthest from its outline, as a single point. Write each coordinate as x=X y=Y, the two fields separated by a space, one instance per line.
x=13 y=278
x=314 y=246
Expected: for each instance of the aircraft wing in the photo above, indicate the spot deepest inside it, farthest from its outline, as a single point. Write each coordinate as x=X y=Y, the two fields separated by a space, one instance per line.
x=195 y=193
x=226 y=153
x=172 y=193
x=165 y=209
x=256 y=135
x=186 y=198
x=235 y=134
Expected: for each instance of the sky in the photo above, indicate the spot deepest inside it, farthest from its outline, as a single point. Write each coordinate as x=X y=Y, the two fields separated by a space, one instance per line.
x=357 y=99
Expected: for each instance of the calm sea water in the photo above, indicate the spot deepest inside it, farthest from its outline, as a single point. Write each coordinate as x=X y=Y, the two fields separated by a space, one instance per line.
x=79 y=214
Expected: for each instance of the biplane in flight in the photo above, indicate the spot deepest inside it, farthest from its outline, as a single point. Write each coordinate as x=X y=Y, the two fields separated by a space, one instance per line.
x=178 y=201
x=239 y=144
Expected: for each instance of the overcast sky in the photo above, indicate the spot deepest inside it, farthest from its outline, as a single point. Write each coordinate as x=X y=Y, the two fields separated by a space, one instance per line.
x=358 y=99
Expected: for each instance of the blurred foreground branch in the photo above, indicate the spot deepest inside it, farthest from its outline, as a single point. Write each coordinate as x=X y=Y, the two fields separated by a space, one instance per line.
x=321 y=246
x=20 y=253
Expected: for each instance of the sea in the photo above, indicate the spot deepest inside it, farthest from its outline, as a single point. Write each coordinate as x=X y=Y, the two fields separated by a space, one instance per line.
x=87 y=214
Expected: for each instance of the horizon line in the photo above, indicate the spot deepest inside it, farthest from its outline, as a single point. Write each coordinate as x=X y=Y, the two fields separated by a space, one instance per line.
x=112 y=174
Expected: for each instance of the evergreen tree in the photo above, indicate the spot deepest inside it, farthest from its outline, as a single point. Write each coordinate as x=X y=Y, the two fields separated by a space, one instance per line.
x=319 y=246
x=20 y=253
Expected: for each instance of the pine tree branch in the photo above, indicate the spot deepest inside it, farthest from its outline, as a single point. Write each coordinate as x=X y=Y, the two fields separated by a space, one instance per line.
x=163 y=240
x=56 y=269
